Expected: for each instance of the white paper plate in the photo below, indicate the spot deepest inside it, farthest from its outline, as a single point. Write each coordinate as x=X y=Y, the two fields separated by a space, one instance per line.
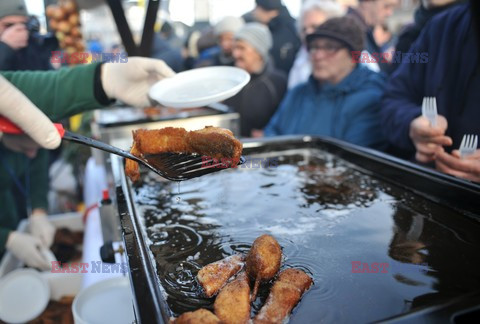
x=107 y=301
x=24 y=294
x=199 y=87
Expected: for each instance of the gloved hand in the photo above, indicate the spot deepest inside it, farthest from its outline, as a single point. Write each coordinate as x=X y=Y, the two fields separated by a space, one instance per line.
x=41 y=228
x=27 y=249
x=130 y=82
x=15 y=106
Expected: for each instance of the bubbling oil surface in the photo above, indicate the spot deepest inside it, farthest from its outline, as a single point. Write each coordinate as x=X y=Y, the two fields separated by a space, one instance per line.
x=327 y=215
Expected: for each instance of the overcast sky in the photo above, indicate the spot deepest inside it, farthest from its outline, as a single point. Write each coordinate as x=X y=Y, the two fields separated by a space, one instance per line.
x=218 y=8
x=35 y=7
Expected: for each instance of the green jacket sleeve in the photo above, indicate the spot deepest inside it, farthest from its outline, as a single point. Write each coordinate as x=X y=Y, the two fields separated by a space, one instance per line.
x=4 y=232
x=60 y=93
x=8 y=217
x=39 y=182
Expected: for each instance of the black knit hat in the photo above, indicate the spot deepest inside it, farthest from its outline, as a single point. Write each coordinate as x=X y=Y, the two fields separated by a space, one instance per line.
x=269 y=4
x=345 y=30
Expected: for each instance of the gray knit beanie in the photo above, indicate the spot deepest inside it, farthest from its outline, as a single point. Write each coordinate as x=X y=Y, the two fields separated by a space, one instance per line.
x=258 y=36
x=228 y=24
x=13 y=8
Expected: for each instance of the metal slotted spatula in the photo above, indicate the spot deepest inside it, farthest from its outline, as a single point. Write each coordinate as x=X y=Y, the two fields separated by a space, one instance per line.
x=171 y=166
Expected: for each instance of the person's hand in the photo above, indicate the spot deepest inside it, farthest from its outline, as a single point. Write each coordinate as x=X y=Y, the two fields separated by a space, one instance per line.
x=15 y=106
x=257 y=133
x=466 y=168
x=27 y=249
x=15 y=36
x=41 y=228
x=428 y=139
x=130 y=82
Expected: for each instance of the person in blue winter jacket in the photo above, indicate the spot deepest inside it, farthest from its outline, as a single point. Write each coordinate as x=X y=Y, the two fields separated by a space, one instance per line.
x=451 y=75
x=341 y=99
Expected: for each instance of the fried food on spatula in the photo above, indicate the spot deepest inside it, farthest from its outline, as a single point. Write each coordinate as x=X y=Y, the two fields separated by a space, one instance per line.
x=232 y=305
x=132 y=170
x=284 y=295
x=200 y=316
x=169 y=139
x=263 y=260
x=213 y=142
x=214 y=276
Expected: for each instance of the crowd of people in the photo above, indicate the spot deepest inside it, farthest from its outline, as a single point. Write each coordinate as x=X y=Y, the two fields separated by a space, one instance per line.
x=327 y=73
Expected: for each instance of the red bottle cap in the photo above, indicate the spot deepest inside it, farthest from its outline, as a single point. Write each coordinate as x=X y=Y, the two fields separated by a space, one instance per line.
x=105 y=194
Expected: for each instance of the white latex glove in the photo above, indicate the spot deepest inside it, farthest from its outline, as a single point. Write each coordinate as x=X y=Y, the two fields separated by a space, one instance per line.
x=15 y=106
x=130 y=82
x=28 y=250
x=41 y=228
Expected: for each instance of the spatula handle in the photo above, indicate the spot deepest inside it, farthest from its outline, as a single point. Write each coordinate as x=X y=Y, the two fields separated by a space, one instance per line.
x=99 y=145
x=7 y=127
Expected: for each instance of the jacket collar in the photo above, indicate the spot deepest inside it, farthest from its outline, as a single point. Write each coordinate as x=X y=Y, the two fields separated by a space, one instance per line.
x=351 y=82
x=266 y=68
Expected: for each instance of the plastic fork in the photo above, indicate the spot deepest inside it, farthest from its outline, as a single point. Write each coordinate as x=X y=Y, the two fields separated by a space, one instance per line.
x=468 y=145
x=171 y=166
x=429 y=110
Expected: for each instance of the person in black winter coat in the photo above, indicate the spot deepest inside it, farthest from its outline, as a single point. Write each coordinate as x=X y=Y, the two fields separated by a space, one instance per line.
x=286 y=41
x=259 y=99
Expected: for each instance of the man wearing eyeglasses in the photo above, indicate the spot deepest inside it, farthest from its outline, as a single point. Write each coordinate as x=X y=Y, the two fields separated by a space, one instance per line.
x=341 y=99
x=313 y=14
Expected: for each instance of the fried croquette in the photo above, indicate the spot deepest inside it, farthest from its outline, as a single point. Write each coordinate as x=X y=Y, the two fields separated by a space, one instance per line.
x=232 y=305
x=132 y=169
x=167 y=139
x=284 y=295
x=200 y=316
x=214 y=276
x=213 y=142
x=263 y=260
